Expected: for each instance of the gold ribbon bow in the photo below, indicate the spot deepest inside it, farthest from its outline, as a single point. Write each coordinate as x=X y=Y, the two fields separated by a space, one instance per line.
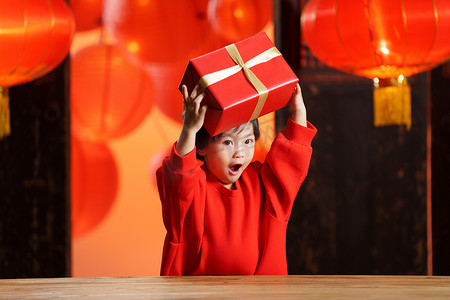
x=263 y=57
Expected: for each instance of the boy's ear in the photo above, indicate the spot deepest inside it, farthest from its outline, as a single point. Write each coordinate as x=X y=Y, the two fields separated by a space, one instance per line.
x=201 y=152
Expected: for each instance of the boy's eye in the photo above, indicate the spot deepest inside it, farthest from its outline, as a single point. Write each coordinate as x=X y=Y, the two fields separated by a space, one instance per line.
x=248 y=141
x=227 y=142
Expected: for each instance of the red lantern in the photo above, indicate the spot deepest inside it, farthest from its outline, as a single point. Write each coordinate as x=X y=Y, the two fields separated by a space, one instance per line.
x=238 y=19
x=94 y=184
x=35 y=36
x=167 y=77
x=380 y=39
x=156 y=162
x=88 y=13
x=160 y=31
x=110 y=96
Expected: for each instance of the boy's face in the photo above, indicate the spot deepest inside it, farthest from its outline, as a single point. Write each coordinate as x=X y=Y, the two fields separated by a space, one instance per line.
x=227 y=158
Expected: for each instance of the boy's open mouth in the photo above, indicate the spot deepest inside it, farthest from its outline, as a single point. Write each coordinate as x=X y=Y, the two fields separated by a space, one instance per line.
x=234 y=169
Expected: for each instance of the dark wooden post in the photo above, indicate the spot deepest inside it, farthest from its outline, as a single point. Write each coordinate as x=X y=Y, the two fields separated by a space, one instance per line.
x=440 y=168
x=35 y=180
x=287 y=40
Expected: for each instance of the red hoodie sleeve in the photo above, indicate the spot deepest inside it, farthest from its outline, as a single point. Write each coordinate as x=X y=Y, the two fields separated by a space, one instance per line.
x=181 y=188
x=286 y=167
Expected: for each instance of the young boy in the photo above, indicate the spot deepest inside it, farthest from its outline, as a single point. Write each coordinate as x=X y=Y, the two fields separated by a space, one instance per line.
x=229 y=216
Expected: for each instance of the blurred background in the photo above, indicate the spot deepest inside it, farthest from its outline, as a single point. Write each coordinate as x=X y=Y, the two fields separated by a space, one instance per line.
x=89 y=128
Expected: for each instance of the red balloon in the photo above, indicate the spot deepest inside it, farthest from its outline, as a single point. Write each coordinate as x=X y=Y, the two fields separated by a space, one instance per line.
x=110 y=96
x=94 y=184
x=239 y=19
x=35 y=37
x=88 y=13
x=380 y=38
x=159 y=31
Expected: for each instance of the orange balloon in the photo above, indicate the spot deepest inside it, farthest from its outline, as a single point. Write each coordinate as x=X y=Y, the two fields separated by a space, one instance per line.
x=156 y=31
x=239 y=19
x=110 y=96
x=94 y=184
x=88 y=13
x=35 y=37
x=381 y=38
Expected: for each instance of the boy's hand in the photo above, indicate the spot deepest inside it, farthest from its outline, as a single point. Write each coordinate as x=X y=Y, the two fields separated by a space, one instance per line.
x=193 y=118
x=193 y=112
x=298 y=109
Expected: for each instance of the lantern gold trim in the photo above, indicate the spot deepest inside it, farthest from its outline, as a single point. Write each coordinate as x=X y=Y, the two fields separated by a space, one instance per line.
x=5 y=127
x=392 y=102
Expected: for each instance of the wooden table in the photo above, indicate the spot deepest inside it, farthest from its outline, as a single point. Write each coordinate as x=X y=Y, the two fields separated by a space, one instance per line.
x=233 y=287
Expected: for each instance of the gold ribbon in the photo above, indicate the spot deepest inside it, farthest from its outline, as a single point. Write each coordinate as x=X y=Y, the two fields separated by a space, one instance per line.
x=263 y=57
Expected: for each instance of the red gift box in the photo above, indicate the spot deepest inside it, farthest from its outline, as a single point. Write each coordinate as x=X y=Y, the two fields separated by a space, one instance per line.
x=242 y=81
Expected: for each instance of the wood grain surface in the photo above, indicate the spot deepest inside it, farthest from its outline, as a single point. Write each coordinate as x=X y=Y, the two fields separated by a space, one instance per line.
x=230 y=287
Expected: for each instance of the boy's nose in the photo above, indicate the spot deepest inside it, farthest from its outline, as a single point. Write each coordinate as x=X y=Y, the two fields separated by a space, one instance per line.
x=239 y=152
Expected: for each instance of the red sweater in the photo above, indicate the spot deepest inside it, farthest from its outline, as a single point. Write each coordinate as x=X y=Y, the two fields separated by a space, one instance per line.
x=214 y=230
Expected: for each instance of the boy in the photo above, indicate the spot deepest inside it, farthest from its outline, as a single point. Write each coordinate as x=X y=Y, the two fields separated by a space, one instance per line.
x=229 y=216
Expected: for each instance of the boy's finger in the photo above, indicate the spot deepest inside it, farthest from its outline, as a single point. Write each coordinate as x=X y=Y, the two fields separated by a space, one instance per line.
x=203 y=110
x=299 y=92
x=184 y=92
x=195 y=92
x=198 y=101
x=297 y=89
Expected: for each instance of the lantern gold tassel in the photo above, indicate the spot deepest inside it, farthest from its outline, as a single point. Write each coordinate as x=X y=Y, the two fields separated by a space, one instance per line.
x=392 y=102
x=5 y=127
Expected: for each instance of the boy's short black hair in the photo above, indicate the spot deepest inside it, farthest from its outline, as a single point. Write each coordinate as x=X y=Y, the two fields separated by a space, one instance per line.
x=203 y=138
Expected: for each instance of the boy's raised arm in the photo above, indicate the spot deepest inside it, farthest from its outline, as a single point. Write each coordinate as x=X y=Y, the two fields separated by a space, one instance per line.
x=193 y=118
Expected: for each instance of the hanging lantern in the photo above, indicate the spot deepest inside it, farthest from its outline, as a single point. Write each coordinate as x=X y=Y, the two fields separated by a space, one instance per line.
x=239 y=19
x=87 y=13
x=94 y=184
x=35 y=36
x=110 y=96
x=384 y=40
x=167 y=78
x=156 y=31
